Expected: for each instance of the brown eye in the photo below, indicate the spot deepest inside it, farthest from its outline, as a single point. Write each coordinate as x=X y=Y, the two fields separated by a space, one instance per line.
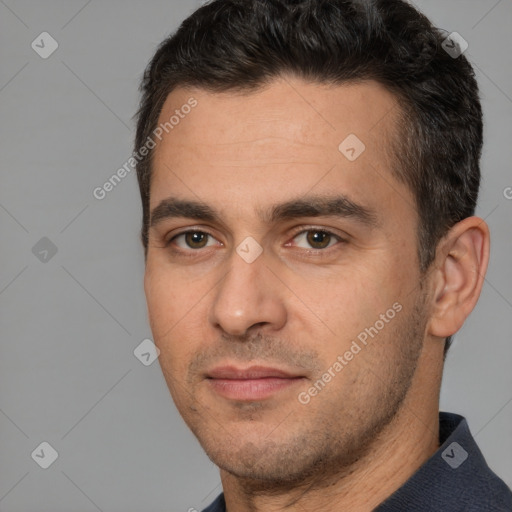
x=192 y=240
x=196 y=239
x=318 y=239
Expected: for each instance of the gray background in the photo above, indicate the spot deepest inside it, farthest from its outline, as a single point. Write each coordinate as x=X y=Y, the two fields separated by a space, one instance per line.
x=69 y=325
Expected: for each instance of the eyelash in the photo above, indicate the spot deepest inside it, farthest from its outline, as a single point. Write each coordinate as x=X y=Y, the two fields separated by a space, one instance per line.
x=190 y=252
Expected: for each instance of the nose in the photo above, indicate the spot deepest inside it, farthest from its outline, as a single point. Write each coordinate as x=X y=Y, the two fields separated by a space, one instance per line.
x=248 y=297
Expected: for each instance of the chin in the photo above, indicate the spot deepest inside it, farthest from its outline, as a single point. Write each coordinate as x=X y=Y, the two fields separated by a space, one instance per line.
x=265 y=462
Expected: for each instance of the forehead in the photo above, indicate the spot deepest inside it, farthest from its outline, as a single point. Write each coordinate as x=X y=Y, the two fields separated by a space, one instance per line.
x=298 y=111
x=277 y=142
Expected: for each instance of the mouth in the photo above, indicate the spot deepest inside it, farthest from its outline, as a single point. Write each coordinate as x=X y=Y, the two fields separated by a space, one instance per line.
x=250 y=384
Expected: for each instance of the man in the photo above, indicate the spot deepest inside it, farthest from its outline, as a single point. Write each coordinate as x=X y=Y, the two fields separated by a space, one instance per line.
x=309 y=172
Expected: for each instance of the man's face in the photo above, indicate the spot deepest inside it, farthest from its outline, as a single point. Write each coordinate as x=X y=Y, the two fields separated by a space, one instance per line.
x=250 y=329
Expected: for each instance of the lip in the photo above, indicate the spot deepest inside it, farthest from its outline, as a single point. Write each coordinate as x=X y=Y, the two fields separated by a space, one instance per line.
x=250 y=384
x=252 y=372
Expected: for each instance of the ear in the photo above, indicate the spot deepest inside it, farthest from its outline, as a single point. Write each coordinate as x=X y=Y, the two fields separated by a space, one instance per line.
x=461 y=264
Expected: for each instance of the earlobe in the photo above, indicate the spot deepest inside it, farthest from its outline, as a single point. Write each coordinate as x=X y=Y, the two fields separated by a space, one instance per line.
x=461 y=265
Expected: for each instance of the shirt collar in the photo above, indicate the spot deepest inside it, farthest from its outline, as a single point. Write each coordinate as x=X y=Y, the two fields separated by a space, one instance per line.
x=437 y=484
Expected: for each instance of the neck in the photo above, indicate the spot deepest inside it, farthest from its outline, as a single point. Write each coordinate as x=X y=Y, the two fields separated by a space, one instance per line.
x=409 y=440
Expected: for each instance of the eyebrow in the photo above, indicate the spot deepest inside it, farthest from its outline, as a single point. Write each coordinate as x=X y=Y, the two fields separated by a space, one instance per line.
x=310 y=206
x=323 y=206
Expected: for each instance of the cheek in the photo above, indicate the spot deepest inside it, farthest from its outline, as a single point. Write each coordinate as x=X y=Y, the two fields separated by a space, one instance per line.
x=167 y=295
x=161 y=301
x=174 y=310
x=347 y=307
x=348 y=299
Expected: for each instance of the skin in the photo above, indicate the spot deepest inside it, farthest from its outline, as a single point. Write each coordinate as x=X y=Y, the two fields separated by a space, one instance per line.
x=300 y=304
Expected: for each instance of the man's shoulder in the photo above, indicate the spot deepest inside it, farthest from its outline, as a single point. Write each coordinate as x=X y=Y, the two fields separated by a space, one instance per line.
x=456 y=478
x=489 y=492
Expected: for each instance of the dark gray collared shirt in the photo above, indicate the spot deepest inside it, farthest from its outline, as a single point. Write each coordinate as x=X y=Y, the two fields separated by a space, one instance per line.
x=455 y=479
